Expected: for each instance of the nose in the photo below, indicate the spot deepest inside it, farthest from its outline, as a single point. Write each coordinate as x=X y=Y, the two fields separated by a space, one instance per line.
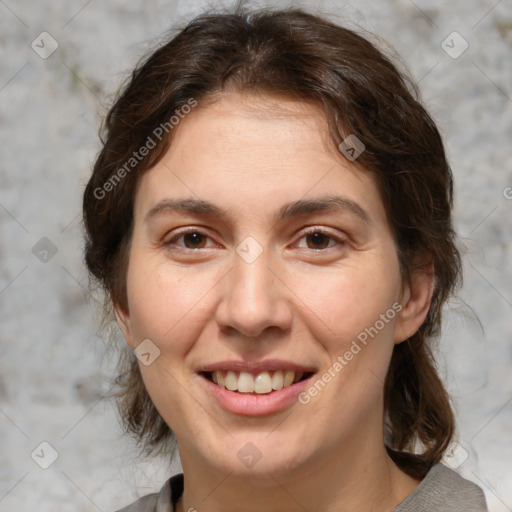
x=254 y=298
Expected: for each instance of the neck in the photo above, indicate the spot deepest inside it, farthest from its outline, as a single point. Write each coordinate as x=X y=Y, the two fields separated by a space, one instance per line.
x=356 y=478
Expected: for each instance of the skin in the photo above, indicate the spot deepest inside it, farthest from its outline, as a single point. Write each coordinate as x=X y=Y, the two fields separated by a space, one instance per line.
x=301 y=300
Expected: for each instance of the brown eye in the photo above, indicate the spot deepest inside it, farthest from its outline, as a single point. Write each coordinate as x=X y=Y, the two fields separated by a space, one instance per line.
x=195 y=239
x=188 y=240
x=318 y=239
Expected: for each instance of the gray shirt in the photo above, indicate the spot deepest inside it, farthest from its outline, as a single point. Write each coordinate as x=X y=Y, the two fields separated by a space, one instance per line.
x=442 y=490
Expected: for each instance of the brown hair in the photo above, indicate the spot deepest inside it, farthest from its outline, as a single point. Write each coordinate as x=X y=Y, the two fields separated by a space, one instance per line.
x=362 y=92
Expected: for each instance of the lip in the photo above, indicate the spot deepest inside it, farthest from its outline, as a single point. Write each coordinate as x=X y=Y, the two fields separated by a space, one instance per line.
x=256 y=366
x=252 y=404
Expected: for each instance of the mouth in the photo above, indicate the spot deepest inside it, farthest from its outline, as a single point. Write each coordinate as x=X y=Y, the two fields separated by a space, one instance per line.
x=257 y=383
x=255 y=388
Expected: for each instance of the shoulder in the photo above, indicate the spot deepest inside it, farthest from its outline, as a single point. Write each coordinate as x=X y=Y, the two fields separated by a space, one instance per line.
x=444 y=490
x=144 y=504
x=162 y=501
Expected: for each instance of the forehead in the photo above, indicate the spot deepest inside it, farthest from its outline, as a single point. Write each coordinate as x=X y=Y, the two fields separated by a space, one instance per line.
x=232 y=125
x=246 y=151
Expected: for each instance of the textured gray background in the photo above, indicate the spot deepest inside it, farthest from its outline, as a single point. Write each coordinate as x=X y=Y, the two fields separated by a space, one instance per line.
x=53 y=370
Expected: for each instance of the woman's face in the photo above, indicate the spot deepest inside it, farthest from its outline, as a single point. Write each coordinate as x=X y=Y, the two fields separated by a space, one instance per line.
x=261 y=251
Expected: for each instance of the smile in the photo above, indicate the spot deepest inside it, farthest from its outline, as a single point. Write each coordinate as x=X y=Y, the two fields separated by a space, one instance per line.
x=255 y=388
x=263 y=382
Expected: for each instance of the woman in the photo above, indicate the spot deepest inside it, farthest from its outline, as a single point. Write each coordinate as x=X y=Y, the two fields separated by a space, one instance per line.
x=270 y=217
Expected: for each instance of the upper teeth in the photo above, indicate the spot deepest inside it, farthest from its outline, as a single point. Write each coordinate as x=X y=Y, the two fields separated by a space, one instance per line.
x=261 y=383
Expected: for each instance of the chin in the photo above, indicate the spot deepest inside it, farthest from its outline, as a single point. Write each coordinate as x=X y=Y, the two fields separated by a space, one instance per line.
x=258 y=455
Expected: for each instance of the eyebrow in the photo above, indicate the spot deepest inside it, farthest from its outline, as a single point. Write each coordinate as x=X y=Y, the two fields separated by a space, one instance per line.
x=327 y=204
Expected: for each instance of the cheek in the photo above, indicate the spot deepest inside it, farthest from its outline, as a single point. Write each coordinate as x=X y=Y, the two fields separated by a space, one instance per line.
x=344 y=302
x=166 y=304
x=354 y=316
x=171 y=304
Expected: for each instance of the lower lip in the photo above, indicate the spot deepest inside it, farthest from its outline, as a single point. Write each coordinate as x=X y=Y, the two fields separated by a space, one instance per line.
x=250 y=404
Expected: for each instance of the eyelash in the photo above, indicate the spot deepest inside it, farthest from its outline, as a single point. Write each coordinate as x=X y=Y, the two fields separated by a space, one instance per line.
x=309 y=231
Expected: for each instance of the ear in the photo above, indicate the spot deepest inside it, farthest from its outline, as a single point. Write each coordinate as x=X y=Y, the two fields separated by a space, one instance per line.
x=124 y=323
x=416 y=300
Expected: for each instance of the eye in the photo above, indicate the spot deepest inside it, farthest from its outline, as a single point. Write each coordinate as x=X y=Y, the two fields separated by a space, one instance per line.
x=193 y=239
x=320 y=239
x=317 y=239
